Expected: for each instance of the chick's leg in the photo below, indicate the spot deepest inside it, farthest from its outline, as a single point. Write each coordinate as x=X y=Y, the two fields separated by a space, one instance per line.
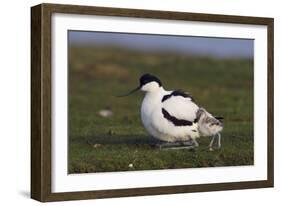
x=211 y=143
x=219 y=140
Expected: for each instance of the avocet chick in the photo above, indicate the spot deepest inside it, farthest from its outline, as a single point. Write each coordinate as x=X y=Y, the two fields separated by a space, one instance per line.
x=208 y=125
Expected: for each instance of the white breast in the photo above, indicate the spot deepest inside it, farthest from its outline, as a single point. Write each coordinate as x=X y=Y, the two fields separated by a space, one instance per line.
x=148 y=107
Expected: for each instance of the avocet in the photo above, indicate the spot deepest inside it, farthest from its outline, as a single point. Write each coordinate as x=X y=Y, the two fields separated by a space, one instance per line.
x=173 y=116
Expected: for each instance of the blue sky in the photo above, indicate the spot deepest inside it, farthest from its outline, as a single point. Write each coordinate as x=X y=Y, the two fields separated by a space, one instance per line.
x=203 y=46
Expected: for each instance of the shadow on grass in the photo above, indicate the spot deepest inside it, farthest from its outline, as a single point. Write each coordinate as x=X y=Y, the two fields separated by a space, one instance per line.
x=116 y=139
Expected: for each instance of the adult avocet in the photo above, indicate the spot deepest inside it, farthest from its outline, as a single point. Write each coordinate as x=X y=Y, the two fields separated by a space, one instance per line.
x=173 y=117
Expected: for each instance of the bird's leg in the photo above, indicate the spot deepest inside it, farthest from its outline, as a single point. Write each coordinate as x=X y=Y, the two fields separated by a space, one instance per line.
x=195 y=143
x=219 y=140
x=211 y=143
x=168 y=144
x=177 y=145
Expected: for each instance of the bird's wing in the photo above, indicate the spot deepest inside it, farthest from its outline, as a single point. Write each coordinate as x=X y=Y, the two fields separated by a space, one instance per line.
x=179 y=106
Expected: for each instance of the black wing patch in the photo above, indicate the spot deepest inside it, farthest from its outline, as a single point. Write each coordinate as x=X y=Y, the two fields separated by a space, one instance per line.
x=177 y=93
x=174 y=120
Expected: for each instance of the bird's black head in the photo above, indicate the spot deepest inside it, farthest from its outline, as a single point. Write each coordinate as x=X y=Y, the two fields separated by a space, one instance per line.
x=145 y=85
x=147 y=78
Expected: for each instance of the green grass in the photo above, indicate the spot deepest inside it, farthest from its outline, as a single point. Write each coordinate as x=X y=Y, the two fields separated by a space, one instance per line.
x=98 y=144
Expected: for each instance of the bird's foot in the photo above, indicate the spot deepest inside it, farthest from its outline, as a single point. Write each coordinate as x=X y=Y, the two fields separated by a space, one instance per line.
x=211 y=149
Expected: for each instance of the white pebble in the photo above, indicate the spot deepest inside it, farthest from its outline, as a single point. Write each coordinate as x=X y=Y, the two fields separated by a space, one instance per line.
x=105 y=113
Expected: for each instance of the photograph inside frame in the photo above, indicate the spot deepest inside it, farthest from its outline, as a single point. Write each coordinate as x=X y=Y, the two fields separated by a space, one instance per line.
x=150 y=102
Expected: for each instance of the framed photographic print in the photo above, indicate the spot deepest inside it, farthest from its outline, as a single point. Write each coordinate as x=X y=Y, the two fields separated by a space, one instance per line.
x=132 y=102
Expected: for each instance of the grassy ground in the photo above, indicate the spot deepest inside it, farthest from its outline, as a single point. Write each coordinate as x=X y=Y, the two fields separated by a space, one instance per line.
x=120 y=143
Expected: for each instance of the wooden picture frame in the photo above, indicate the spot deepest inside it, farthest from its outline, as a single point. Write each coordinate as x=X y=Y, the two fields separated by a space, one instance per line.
x=41 y=171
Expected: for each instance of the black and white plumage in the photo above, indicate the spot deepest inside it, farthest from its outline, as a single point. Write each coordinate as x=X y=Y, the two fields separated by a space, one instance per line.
x=173 y=116
x=208 y=125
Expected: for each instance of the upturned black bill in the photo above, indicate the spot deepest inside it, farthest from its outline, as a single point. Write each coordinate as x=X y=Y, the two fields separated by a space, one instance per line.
x=131 y=92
